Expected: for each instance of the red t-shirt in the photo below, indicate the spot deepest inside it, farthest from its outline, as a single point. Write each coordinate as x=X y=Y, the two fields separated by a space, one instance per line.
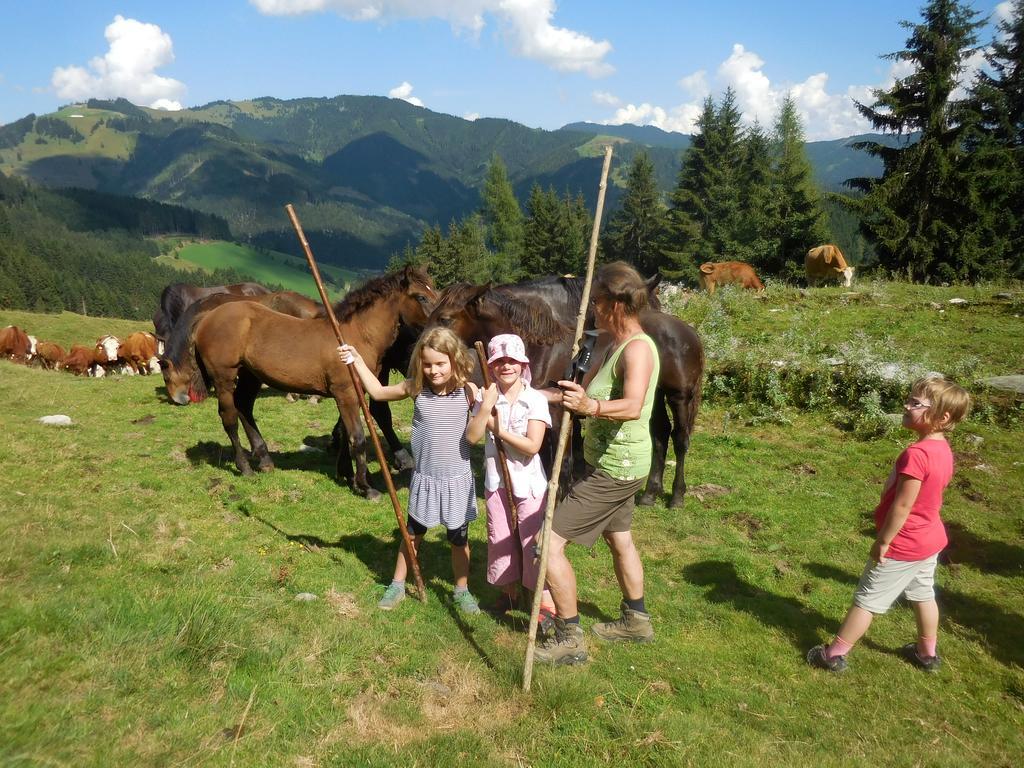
x=923 y=534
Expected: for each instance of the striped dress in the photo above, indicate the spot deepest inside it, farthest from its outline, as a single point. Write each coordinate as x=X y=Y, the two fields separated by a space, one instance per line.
x=442 y=490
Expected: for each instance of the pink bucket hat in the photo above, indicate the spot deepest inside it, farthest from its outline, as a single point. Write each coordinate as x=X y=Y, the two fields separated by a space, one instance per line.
x=511 y=346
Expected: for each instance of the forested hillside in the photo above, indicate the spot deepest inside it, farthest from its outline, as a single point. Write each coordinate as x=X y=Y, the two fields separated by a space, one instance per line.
x=86 y=252
x=367 y=174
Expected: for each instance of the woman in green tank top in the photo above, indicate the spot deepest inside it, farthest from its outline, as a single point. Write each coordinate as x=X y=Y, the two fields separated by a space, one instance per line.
x=616 y=402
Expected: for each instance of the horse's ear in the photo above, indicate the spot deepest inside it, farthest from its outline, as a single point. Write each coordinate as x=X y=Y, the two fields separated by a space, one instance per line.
x=653 y=282
x=478 y=291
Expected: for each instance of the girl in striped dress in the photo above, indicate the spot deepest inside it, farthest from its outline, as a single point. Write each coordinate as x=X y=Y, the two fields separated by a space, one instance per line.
x=442 y=490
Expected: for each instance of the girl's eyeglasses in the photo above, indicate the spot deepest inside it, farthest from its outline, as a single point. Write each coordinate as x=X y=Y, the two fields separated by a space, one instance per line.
x=916 y=405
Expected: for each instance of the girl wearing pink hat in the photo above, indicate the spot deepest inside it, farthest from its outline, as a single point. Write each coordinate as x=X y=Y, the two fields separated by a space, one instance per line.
x=519 y=420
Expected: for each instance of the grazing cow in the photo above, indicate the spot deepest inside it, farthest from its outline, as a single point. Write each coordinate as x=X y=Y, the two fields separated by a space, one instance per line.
x=15 y=344
x=826 y=264
x=80 y=360
x=139 y=351
x=49 y=355
x=109 y=359
x=729 y=272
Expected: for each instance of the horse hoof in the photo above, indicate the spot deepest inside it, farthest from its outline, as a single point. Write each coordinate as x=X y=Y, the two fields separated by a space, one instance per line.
x=403 y=460
x=246 y=470
x=265 y=466
x=647 y=500
x=675 y=502
x=372 y=495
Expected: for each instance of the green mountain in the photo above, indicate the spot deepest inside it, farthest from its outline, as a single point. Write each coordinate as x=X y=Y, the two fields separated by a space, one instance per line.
x=365 y=173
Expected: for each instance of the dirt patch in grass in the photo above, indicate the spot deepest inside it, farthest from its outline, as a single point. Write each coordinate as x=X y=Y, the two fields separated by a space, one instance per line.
x=749 y=524
x=342 y=603
x=457 y=695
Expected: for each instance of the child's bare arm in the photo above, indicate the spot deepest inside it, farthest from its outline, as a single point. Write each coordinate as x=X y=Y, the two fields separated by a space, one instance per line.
x=527 y=444
x=907 y=489
x=477 y=426
x=350 y=355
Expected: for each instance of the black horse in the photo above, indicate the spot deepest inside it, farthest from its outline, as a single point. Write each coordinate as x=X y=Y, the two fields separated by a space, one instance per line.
x=543 y=312
x=177 y=297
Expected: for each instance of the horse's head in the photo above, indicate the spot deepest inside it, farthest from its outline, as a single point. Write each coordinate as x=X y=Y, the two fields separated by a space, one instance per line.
x=462 y=308
x=177 y=382
x=418 y=297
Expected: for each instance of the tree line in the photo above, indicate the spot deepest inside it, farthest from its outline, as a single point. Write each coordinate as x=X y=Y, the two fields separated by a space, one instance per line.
x=946 y=208
x=85 y=252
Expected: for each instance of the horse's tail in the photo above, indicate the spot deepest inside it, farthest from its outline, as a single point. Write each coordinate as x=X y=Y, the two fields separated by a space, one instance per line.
x=199 y=386
x=695 y=395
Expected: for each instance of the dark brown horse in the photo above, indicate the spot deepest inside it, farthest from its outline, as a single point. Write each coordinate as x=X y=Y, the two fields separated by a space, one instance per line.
x=477 y=313
x=242 y=345
x=177 y=297
x=178 y=363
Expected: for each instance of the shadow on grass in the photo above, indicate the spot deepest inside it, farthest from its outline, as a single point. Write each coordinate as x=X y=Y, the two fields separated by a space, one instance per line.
x=823 y=571
x=987 y=555
x=805 y=626
x=1001 y=631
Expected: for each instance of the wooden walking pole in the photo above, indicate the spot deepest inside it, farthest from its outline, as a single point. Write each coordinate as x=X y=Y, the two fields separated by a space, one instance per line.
x=563 y=433
x=502 y=457
x=410 y=552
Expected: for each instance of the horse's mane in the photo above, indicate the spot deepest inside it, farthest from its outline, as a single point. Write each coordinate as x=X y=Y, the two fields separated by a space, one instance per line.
x=378 y=288
x=179 y=341
x=173 y=302
x=532 y=319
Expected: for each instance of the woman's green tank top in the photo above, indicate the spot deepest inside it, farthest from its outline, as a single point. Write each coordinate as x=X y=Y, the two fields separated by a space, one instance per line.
x=622 y=449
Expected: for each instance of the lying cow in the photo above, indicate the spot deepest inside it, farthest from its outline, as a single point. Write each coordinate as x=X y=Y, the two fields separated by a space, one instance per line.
x=739 y=273
x=826 y=264
x=15 y=344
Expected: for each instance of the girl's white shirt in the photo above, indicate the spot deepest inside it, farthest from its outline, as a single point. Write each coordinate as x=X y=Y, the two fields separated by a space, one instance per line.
x=528 y=476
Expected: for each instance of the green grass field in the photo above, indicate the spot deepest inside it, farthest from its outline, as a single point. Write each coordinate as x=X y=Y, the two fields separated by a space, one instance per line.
x=148 y=614
x=270 y=267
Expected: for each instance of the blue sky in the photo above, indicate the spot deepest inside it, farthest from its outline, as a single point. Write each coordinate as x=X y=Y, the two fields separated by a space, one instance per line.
x=539 y=62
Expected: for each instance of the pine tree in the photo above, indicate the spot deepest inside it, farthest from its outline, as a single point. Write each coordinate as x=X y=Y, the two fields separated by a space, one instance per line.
x=758 y=202
x=689 y=212
x=724 y=190
x=504 y=221
x=540 y=232
x=920 y=211
x=995 y=139
x=800 y=222
x=573 y=241
x=635 y=230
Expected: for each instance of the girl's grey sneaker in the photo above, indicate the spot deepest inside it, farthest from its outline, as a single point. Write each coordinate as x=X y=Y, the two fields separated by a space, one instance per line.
x=393 y=595
x=466 y=603
x=927 y=663
x=818 y=657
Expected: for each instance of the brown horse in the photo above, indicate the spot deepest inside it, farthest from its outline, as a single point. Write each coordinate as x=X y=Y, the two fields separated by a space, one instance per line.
x=478 y=313
x=177 y=297
x=242 y=345
x=178 y=363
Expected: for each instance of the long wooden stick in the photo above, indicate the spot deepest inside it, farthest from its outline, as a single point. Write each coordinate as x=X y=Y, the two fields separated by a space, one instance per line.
x=502 y=457
x=563 y=433
x=410 y=552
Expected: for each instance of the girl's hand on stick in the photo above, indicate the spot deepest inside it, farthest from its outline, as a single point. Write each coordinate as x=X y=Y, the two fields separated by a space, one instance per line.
x=348 y=354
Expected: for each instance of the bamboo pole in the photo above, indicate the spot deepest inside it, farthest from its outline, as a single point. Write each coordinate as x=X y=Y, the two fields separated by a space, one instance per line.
x=563 y=432
x=410 y=552
x=502 y=457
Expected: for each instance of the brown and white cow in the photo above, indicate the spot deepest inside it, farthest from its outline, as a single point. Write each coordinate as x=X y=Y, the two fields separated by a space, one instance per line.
x=15 y=344
x=49 y=355
x=826 y=264
x=109 y=359
x=80 y=360
x=739 y=273
x=140 y=352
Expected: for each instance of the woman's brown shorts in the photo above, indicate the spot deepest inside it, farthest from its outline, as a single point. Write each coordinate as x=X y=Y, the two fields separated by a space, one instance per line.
x=596 y=504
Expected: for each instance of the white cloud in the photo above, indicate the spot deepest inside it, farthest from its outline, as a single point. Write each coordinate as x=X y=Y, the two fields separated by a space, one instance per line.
x=126 y=70
x=471 y=116
x=680 y=119
x=526 y=25
x=696 y=85
x=404 y=92
x=606 y=99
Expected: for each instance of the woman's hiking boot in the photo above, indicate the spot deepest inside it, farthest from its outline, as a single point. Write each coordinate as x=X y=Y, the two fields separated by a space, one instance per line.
x=565 y=646
x=633 y=626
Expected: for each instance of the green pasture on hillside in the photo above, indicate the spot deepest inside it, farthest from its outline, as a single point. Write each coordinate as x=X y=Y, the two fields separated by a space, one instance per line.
x=270 y=267
x=148 y=614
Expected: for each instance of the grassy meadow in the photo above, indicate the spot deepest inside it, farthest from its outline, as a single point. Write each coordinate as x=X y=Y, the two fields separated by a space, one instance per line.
x=149 y=611
x=269 y=267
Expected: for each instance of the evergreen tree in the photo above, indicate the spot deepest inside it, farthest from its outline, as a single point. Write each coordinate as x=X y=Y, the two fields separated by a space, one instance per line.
x=540 y=232
x=920 y=211
x=573 y=238
x=689 y=213
x=504 y=221
x=758 y=226
x=724 y=190
x=635 y=230
x=800 y=220
x=995 y=139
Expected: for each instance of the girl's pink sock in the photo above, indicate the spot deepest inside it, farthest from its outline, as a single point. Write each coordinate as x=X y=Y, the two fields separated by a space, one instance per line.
x=839 y=647
x=926 y=646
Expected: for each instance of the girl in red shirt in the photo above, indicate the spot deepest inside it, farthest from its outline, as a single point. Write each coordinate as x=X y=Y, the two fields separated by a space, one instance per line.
x=910 y=531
